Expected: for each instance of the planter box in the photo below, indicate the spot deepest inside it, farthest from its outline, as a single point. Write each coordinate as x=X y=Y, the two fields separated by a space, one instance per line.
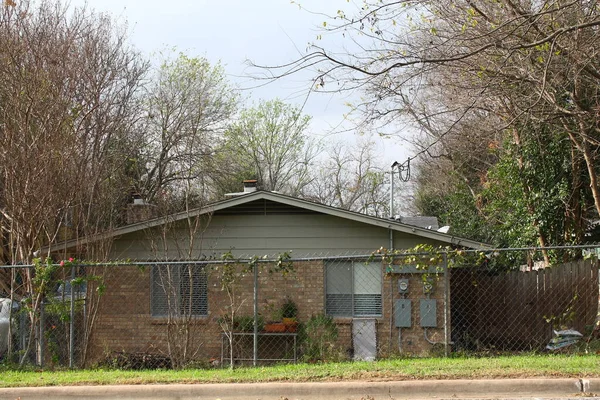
x=276 y=327
x=291 y=325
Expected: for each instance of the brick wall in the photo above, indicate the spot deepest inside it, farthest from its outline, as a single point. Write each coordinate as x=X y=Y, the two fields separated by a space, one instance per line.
x=413 y=339
x=124 y=322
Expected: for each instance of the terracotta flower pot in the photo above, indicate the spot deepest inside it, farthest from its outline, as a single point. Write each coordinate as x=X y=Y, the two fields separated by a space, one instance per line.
x=276 y=327
x=291 y=325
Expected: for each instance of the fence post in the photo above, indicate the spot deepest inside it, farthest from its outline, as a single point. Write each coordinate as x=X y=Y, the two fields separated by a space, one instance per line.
x=255 y=336
x=446 y=303
x=72 y=320
x=41 y=332
x=11 y=316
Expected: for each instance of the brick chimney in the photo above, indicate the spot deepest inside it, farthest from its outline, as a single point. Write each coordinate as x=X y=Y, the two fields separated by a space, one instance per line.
x=140 y=210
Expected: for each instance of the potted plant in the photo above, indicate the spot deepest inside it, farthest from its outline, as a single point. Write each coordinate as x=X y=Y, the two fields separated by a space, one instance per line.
x=289 y=314
x=245 y=323
x=274 y=325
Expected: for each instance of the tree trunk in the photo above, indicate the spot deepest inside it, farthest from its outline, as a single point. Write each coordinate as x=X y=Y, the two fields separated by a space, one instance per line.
x=584 y=148
x=530 y=206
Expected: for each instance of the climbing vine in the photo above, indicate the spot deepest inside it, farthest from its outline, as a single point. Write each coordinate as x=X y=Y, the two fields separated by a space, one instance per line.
x=428 y=259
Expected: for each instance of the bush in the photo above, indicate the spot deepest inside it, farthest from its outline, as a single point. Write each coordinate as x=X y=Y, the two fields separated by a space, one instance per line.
x=245 y=323
x=318 y=337
x=136 y=361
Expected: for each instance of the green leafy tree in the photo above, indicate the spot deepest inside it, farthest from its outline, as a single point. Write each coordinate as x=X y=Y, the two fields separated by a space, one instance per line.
x=188 y=105
x=456 y=207
x=470 y=76
x=536 y=192
x=534 y=195
x=269 y=143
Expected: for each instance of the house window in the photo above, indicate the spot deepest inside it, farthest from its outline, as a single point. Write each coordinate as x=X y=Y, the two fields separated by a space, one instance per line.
x=179 y=290
x=353 y=289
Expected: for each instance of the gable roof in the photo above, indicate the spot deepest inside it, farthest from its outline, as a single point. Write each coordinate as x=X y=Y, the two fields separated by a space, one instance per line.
x=306 y=205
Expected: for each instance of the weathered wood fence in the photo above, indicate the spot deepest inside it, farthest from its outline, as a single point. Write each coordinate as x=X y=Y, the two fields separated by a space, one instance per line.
x=519 y=310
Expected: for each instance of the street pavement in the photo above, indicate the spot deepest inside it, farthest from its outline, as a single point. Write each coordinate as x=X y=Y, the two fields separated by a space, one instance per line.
x=396 y=390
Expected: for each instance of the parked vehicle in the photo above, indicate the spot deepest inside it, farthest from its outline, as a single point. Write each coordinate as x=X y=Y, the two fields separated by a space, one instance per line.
x=5 y=314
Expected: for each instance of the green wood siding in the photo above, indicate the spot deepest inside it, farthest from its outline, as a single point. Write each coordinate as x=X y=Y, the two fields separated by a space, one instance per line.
x=248 y=235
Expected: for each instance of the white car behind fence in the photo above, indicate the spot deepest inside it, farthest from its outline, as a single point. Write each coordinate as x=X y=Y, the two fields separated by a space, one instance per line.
x=5 y=315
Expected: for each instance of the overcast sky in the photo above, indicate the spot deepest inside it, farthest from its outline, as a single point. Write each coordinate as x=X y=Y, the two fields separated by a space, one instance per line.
x=268 y=32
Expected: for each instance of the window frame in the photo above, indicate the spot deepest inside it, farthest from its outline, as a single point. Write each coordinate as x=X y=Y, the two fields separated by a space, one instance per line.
x=353 y=266
x=200 y=302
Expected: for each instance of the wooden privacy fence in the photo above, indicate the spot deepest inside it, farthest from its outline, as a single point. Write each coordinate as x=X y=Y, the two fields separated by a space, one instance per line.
x=519 y=310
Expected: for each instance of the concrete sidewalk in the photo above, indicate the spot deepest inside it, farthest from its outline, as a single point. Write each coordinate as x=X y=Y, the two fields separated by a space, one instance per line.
x=443 y=389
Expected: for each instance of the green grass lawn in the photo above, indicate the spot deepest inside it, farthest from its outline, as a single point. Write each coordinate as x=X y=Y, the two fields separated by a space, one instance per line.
x=400 y=369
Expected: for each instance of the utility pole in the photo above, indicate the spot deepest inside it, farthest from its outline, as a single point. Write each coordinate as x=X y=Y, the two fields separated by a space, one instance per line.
x=394 y=166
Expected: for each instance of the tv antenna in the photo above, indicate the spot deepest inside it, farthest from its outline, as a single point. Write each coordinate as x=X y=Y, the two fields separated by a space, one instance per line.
x=403 y=171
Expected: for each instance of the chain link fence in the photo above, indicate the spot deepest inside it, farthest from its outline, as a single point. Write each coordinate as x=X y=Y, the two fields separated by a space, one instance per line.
x=253 y=311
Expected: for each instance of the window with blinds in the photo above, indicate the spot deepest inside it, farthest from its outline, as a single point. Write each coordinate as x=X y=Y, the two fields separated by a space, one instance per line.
x=353 y=289
x=179 y=290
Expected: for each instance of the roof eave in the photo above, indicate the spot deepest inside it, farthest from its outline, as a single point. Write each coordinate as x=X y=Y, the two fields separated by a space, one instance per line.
x=291 y=201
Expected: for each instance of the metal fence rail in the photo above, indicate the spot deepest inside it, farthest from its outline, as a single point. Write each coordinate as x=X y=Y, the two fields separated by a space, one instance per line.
x=254 y=311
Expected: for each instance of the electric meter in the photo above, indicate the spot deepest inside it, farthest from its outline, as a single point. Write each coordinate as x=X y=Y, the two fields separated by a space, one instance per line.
x=403 y=286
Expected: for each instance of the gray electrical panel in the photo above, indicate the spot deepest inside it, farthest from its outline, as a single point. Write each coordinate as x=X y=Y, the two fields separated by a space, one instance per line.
x=402 y=313
x=428 y=313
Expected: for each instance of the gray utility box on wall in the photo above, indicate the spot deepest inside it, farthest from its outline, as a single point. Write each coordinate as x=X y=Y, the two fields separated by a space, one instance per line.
x=402 y=313
x=428 y=313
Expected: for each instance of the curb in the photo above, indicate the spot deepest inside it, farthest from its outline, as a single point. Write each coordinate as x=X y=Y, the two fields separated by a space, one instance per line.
x=507 y=388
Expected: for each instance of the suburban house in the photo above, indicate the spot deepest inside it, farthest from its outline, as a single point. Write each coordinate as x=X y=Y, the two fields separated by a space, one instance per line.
x=331 y=276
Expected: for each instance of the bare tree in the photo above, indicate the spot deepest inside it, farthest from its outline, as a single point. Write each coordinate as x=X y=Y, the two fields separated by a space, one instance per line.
x=180 y=290
x=469 y=75
x=349 y=177
x=68 y=82
x=187 y=107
